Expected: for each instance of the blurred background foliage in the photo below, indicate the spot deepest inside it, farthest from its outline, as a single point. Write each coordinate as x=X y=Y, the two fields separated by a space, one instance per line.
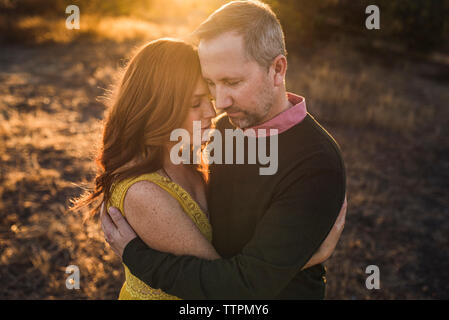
x=56 y=7
x=420 y=25
x=43 y=21
x=415 y=25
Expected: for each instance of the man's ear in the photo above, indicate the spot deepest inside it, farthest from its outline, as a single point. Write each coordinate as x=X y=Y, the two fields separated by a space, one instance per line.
x=279 y=66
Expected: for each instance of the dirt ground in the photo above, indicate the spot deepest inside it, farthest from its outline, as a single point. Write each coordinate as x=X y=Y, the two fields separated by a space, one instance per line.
x=388 y=113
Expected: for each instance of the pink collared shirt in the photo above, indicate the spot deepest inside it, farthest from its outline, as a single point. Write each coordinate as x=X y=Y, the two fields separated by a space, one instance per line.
x=284 y=120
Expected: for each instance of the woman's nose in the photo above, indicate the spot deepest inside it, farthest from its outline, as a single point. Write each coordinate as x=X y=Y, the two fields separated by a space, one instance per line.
x=210 y=110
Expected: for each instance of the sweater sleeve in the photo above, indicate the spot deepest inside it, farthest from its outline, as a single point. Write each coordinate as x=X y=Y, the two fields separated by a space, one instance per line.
x=292 y=229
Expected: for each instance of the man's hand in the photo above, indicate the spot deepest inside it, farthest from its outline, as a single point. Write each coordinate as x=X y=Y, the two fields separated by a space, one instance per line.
x=328 y=246
x=117 y=232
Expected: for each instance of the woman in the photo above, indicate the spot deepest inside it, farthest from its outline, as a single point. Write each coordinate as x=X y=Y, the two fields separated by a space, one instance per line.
x=161 y=90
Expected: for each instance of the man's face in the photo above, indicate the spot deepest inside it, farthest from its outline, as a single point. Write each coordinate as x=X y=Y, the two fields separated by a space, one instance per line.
x=241 y=87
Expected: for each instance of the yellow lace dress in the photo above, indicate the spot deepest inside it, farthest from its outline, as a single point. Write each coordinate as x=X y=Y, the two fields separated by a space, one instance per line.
x=133 y=288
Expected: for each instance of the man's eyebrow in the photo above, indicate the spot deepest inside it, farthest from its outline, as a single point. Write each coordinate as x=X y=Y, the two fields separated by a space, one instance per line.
x=199 y=95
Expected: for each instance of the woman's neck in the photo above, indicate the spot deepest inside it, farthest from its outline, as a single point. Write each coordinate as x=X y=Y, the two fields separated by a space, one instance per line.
x=168 y=165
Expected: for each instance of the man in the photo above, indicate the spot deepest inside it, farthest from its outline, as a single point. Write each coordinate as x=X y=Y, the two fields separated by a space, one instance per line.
x=266 y=227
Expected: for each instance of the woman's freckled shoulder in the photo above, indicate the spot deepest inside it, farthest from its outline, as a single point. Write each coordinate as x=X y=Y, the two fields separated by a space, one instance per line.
x=148 y=192
x=143 y=187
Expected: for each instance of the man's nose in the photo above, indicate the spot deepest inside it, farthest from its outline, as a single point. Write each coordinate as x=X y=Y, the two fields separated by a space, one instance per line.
x=222 y=99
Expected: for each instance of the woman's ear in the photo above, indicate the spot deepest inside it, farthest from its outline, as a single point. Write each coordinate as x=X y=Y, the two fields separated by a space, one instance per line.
x=279 y=66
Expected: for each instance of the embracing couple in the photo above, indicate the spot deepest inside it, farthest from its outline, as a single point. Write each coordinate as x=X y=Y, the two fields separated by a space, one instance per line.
x=218 y=231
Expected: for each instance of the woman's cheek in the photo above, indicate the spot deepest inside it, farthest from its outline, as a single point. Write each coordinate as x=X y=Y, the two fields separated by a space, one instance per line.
x=196 y=114
x=188 y=124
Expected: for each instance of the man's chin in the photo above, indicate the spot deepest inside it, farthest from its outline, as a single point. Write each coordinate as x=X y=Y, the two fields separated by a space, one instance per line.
x=236 y=122
x=242 y=123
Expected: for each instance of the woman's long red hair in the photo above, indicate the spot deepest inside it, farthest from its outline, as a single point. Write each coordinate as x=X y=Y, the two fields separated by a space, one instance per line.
x=152 y=99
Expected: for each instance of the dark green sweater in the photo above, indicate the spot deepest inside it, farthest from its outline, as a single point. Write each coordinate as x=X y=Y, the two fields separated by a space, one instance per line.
x=266 y=227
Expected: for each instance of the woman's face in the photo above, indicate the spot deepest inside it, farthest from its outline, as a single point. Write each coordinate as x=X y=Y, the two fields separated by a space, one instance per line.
x=201 y=109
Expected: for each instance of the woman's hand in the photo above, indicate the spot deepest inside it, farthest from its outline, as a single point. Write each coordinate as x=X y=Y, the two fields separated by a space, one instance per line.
x=328 y=246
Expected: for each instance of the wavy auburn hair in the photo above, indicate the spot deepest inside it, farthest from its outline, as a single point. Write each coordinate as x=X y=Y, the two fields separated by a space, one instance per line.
x=152 y=99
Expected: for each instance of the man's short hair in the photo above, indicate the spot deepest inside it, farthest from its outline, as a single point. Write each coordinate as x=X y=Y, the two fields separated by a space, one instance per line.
x=261 y=30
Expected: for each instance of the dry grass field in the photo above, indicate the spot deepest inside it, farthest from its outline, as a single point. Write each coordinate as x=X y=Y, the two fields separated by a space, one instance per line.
x=387 y=110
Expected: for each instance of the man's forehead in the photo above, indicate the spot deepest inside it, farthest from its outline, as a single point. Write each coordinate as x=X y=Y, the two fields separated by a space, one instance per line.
x=229 y=43
x=223 y=70
x=233 y=36
x=222 y=57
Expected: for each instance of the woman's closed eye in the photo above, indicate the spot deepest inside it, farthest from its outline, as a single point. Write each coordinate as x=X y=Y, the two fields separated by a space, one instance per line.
x=207 y=98
x=233 y=83
x=210 y=83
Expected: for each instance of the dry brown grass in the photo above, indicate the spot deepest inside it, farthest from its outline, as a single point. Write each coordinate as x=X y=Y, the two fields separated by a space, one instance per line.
x=389 y=119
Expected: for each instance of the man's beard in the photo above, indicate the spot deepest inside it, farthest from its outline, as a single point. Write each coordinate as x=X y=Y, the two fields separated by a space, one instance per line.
x=250 y=119
x=245 y=121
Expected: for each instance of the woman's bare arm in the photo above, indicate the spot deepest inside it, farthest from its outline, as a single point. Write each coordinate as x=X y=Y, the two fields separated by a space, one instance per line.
x=162 y=224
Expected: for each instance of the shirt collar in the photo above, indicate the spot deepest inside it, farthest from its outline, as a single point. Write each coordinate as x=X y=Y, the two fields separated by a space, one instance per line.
x=283 y=121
